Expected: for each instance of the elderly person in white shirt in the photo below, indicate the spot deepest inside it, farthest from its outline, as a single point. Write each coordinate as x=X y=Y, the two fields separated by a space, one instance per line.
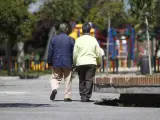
x=86 y=58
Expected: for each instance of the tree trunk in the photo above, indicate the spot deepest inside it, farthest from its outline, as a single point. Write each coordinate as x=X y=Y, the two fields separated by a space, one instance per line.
x=107 y=46
x=149 y=51
x=8 y=51
x=20 y=57
x=51 y=34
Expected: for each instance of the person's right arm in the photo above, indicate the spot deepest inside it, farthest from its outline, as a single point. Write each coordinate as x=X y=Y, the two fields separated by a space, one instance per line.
x=75 y=53
x=72 y=43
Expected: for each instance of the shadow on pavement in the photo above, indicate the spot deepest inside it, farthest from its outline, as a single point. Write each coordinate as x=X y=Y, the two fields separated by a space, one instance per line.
x=132 y=100
x=25 y=105
x=106 y=102
x=119 y=103
x=63 y=101
x=29 y=77
x=72 y=101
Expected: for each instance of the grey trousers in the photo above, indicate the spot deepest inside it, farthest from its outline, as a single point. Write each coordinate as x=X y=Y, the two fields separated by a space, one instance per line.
x=86 y=75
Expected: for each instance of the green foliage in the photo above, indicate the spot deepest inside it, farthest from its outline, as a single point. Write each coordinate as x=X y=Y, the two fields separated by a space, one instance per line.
x=103 y=9
x=15 y=19
x=62 y=10
x=27 y=28
x=2 y=37
x=140 y=7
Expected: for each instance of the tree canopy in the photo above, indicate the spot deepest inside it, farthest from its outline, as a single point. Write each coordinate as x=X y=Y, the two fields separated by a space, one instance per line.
x=62 y=10
x=15 y=20
x=140 y=7
x=53 y=13
x=102 y=10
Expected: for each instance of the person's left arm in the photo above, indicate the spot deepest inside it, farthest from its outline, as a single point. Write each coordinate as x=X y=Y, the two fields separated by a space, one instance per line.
x=98 y=53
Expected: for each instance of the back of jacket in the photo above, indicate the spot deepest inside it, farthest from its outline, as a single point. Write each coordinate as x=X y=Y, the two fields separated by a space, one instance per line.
x=60 y=51
x=86 y=51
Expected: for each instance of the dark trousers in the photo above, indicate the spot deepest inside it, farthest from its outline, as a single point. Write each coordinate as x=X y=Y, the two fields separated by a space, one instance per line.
x=86 y=75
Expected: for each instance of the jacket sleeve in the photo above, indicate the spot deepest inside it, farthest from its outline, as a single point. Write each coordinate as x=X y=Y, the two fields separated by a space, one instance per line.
x=72 y=43
x=75 y=54
x=98 y=54
x=50 y=53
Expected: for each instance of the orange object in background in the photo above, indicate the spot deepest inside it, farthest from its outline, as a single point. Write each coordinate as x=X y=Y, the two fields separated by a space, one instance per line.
x=74 y=34
x=77 y=32
x=92 y=32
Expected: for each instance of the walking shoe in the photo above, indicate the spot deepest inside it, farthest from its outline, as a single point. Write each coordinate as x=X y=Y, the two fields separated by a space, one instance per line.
x=67 y=100
x=53 y=94
x=85 y=100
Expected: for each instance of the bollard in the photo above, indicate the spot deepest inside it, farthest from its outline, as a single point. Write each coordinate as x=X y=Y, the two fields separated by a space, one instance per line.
x=39 y=67
x=16 y=66
x=47 y=66
x=117 y=65
x=42 y=65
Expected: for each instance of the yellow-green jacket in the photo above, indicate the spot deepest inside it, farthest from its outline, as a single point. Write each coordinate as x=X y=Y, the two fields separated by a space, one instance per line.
x=86 y=51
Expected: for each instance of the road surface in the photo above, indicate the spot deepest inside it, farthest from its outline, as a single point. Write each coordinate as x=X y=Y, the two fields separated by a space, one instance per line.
x=29 y=100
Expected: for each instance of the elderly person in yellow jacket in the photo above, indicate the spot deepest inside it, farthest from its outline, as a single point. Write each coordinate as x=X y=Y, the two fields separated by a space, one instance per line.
x=86 y=58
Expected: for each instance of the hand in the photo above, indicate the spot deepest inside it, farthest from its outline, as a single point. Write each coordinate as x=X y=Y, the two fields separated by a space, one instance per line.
x=73 y=68
x=49 y=63
x=50 y=67
x=99 y=66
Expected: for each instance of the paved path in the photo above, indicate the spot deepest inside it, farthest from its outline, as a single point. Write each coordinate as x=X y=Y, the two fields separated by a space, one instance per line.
x=29 y=100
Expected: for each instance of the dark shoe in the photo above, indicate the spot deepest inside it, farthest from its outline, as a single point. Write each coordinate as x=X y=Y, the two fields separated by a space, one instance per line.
x=67 y=100
x=53 y=94
x=85 y=100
